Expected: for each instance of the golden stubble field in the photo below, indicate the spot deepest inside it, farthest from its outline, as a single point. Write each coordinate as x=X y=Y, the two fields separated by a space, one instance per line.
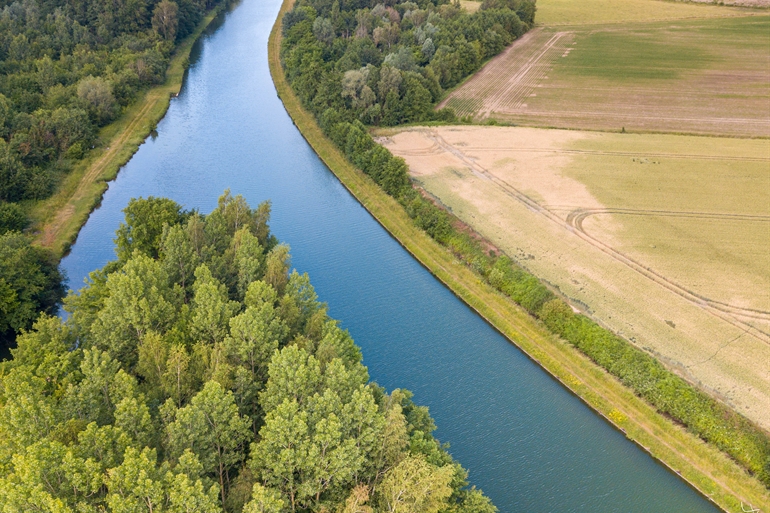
x=640 y=65
x=664 y=239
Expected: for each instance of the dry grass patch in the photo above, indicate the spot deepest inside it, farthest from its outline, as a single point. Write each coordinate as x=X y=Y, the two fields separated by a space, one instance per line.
x=589 y=12
x=635 y=229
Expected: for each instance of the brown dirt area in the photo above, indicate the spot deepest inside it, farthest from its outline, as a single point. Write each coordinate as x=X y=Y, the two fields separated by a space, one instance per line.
x=593 y=215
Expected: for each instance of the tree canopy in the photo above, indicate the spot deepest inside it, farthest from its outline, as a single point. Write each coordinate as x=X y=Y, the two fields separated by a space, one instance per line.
x=69 y=67
x=30 y=282
x=197 y=373
x=389 y=62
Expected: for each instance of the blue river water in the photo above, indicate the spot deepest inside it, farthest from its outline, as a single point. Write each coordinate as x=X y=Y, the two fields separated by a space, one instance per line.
x=527 y=442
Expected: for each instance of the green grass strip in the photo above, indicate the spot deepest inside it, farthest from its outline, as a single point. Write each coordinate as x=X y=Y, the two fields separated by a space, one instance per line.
x=58 y=219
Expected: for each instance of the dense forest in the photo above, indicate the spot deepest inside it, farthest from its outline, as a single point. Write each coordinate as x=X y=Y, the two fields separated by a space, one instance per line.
x=197 y=373
x=67 y=68
x=388 y=63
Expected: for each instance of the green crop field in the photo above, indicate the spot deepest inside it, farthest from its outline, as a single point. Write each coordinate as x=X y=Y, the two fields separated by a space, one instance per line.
x=705 y=75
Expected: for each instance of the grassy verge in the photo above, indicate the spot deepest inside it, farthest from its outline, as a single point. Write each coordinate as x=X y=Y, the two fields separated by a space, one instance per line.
x=58 y=219
x=706 y=468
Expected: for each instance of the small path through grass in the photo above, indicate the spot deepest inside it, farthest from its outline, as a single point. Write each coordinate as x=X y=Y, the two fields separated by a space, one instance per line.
x=59 y=218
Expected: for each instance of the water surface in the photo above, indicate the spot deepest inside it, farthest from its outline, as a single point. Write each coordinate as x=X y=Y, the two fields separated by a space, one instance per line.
x=527 y=442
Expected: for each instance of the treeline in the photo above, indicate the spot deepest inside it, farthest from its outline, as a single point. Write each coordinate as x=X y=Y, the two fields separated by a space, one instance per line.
x=196 y=373
x=388 y=62
x=68 y=67
x=670 y=394
x=343 y=117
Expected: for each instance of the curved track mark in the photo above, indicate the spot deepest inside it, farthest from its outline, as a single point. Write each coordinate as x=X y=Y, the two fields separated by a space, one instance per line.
x=731 y=314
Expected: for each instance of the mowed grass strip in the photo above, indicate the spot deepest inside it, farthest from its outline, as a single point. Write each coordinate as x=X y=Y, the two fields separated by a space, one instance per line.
x=707 y=469
x=58 y=219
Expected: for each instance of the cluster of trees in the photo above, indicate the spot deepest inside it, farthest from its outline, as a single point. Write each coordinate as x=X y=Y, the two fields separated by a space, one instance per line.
x=68 y=67
x=30 y=283
x=196 y=373
x=388 y=62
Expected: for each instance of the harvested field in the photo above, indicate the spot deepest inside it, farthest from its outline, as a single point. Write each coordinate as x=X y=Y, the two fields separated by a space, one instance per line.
x=646 y=77
x=591 y=12
x=665 y=239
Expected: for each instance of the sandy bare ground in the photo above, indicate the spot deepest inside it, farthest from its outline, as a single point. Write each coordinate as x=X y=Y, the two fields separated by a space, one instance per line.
x=524 y=190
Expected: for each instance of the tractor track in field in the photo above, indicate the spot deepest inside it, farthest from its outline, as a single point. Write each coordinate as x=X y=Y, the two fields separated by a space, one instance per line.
x=550 y=114
x=576 y=218
x=436 y=148
x=733 y=315
x=520 y=82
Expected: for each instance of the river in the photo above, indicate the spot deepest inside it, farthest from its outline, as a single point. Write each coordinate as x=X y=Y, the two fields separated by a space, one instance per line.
x=527 y=442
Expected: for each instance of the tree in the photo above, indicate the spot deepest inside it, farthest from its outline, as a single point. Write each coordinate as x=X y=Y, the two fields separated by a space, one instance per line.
x=140 y=300
x=212 y=429
x=211 y=308
x=30 y=283
x=254 y=336
x=356 y=501
x=415 y=486
x=264 y=500
x=144 y=224
x=282 y=450
x=96 y=95
x=323 y=30
x=137 y=484
x=12 y=218
x=178 y=255
x=249 y=259
x=47 y=352
x=165 y=19
x=277 y=267
x=320 y=425
x=177 y=380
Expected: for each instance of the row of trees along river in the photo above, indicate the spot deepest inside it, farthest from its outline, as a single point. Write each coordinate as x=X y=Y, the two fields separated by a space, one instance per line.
x=527 y=442
x=67 y=69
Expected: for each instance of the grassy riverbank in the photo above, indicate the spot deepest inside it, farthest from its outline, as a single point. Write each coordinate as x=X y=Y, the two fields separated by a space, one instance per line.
x=58 y=219
x=702 y=465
